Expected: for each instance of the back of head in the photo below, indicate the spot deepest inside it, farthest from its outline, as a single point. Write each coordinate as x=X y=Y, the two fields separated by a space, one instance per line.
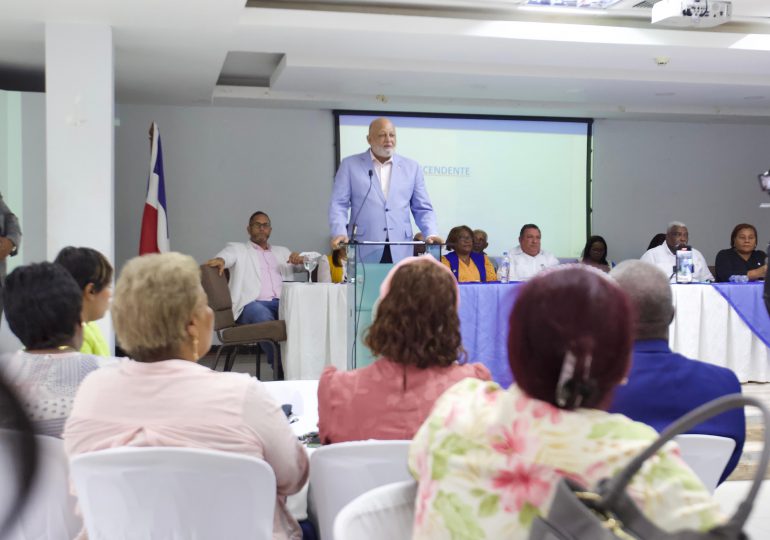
x=417 y=322
x=571 y=313
x=155 y=296
x=87 y=266
x=650 y=293
x=42 y=305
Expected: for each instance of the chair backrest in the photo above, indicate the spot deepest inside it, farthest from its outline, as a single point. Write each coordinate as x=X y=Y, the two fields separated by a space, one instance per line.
x=174 y=493
x=218 y=294
x=706 y=455
x=50 y=509
x=341 y=472
x=384 y=513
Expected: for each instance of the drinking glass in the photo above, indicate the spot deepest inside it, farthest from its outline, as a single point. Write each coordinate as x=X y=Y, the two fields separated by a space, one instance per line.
x=310 y=263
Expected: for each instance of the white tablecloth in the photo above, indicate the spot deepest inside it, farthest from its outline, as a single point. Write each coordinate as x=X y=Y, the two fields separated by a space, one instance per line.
x=708 y=329
x=316 y=328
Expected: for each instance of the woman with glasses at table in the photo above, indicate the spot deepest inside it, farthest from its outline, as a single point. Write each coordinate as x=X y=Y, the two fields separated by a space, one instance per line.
x=416 y=335
x=466 y=265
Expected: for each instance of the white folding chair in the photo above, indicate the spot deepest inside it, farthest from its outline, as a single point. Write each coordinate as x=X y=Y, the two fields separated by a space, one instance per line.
x=341 y=472
x=706 y=455
x=384 y=513
x=50 y=510
x=730 y=494
x=174 y=493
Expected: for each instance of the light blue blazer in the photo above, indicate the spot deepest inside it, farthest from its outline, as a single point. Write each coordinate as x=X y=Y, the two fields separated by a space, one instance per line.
x=379 y=218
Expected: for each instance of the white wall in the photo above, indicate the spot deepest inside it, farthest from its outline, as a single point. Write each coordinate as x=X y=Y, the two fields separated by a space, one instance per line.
x=647 y=174
x=222 y=164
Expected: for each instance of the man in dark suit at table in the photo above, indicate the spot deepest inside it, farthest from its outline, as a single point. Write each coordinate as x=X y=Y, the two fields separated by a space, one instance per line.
x=662 y=385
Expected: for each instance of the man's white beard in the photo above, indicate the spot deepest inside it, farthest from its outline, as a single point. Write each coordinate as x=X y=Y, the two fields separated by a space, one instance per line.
x=381 y=151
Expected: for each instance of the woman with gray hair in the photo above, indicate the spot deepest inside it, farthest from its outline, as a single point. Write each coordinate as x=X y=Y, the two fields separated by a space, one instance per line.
x=163 y=397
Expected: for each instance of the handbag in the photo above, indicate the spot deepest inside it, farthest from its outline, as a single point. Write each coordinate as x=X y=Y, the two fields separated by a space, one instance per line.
x=608 y=513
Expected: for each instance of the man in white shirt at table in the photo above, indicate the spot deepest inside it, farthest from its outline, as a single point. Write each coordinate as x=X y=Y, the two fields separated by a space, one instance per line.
x=257 y=270
x=664 y=256
x=528 y=259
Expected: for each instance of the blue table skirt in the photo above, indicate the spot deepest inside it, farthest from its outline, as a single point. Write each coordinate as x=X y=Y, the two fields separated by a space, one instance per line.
x=485 y=309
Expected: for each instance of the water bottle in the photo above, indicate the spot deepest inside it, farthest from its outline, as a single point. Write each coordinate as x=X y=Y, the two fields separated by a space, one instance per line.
x=684 y=265
x=505 y=268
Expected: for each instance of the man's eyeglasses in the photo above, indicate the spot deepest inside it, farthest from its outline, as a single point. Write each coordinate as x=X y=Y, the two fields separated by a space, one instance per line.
x=258 y=225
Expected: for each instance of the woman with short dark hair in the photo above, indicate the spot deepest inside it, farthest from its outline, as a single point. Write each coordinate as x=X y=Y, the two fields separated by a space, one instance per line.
x=416 y=335
x=488 y=459
x=743 y=258
x=43 y=308
x=93 y=274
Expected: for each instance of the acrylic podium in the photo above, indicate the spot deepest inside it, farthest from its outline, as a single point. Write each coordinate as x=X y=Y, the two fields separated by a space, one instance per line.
x=365 y=273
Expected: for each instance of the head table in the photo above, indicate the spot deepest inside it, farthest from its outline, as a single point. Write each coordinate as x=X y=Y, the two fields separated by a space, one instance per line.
x=723 y=324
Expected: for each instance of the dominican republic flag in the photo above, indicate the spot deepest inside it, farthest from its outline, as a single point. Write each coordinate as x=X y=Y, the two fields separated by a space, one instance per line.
x=154 y=220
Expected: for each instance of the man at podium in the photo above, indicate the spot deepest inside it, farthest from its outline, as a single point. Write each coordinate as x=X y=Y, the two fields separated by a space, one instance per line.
x=378 y=188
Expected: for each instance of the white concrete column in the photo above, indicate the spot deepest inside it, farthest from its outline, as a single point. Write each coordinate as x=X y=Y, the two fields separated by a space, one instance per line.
x=80 y=106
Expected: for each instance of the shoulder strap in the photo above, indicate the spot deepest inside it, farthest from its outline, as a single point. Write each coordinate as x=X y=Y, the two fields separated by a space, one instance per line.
x=619 y=482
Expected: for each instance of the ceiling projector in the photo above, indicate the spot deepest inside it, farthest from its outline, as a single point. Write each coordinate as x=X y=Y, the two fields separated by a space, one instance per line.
x=691 y=13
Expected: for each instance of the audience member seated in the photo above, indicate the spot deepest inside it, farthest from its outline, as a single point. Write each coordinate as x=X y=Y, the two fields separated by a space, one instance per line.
x=595 y=253
x=163 y=397
x=43 y=306
x=467 y=265
x=337 y=261
x=488 y=459
x=20 y=459
x=527 y=259
x=664 y=256
x=419 y=249
x=257 y=270
x=743 y=258
x=663 y=386
x=416 y=334
x=93 y=274
x=657 y=240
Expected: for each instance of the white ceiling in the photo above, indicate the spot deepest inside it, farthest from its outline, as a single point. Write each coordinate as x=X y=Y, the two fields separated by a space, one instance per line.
x=469 y=56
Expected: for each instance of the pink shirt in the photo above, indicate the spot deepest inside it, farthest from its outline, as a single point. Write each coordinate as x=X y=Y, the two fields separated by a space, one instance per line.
x=385 y=400
x=180 y=403
x=270 y=272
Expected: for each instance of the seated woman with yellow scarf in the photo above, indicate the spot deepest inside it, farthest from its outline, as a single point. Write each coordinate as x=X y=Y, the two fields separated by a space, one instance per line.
x=466 y=265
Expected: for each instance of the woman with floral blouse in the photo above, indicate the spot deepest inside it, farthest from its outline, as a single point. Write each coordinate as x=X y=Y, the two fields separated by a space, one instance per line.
x=488 y=459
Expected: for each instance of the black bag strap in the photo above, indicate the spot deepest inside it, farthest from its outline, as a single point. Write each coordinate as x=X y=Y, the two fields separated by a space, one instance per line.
x=618 y=483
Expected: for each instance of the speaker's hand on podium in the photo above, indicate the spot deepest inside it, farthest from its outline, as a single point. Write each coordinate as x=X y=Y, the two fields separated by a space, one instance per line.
x=337 y=240
x=434 y=240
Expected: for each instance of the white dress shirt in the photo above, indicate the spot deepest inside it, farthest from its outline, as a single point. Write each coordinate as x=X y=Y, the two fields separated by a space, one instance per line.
x=524 y=267
x=662 y=257
x=382 y=170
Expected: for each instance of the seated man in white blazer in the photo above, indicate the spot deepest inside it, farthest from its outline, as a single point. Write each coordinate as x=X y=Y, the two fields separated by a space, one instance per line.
x=664 y=256
x=257 y=271
x=528 y=258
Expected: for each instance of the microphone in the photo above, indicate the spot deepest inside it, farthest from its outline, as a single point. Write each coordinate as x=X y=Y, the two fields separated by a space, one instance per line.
x=354 y=229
